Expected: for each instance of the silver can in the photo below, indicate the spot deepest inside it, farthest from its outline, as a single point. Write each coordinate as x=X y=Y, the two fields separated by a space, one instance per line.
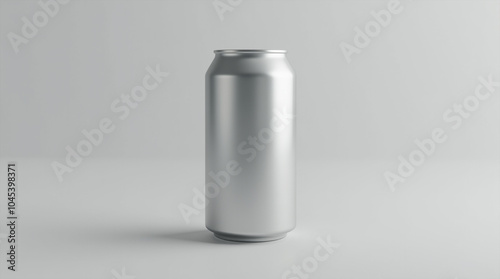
x=250 y=145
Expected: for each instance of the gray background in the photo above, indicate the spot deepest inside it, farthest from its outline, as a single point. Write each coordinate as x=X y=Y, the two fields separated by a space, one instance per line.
x=119 y=207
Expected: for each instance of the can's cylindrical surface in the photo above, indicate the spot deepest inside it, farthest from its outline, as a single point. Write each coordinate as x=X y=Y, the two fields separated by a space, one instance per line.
x=250 y=145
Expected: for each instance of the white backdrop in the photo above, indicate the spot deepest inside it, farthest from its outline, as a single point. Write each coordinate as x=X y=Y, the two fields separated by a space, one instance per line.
x=373 y=77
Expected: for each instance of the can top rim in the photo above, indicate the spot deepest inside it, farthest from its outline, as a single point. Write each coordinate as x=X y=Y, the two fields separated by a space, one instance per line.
x=249 y=51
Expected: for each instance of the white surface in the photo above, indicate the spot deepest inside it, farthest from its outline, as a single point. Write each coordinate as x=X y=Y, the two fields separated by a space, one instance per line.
x=442 y=223
x=118 y=209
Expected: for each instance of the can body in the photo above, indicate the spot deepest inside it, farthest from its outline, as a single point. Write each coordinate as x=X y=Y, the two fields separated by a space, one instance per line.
x=250 y=145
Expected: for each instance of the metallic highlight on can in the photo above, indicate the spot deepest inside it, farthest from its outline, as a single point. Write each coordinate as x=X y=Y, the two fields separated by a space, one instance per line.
x=250 y=145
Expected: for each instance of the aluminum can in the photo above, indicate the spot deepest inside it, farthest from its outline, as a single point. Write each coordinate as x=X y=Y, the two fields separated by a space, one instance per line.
x=250 y=145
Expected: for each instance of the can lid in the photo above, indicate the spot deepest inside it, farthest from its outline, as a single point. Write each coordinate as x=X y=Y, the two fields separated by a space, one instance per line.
x=249 y=51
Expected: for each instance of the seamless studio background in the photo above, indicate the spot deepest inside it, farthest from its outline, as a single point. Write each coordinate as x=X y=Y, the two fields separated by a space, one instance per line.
x=397 y=137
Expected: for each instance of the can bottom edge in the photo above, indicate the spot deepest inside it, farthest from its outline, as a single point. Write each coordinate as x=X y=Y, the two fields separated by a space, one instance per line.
x=246 y=238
